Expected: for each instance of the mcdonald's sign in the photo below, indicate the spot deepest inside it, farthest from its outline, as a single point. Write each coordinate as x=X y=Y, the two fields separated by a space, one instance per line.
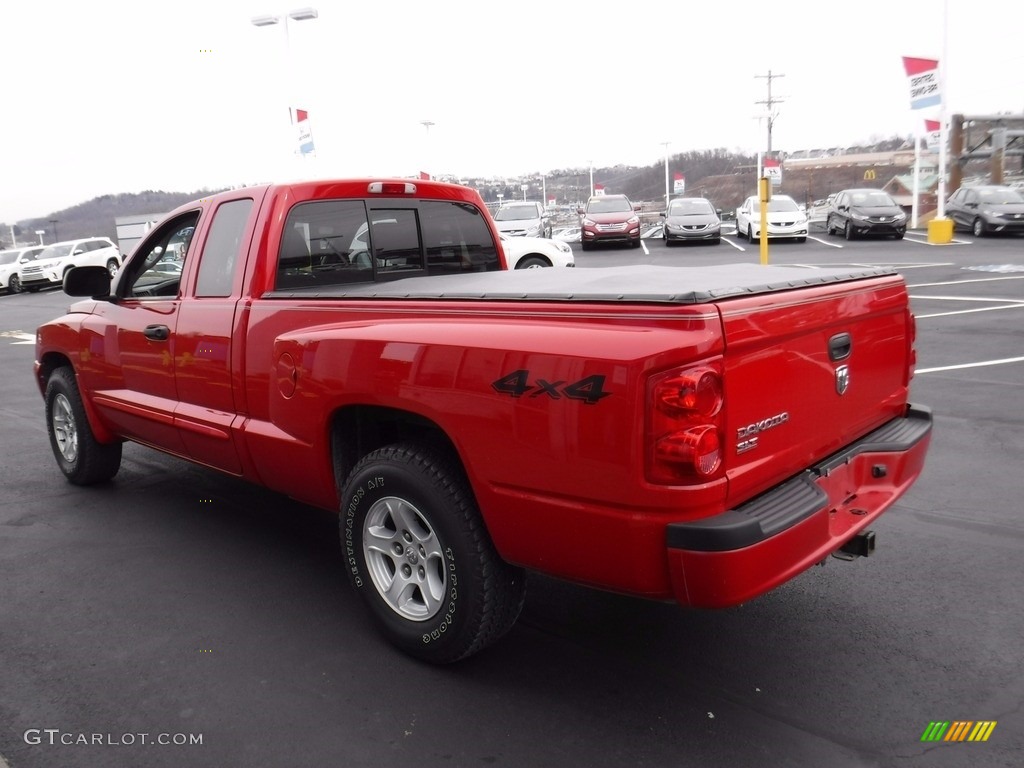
x=870 y=175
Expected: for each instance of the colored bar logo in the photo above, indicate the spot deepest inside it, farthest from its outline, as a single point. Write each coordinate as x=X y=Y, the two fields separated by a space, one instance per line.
x=958 y=730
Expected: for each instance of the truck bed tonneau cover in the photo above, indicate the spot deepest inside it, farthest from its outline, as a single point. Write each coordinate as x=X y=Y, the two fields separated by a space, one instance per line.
x=640 y=283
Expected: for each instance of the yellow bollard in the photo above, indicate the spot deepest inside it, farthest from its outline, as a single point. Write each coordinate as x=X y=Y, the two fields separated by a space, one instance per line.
x=940 y=231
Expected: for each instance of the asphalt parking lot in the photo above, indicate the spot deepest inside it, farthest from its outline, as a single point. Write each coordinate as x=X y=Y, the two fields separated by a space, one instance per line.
x=178 y=603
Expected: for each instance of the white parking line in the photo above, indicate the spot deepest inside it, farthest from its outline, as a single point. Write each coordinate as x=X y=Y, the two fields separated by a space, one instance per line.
x=964 y=282
x=909 y=239
x=644 y=246
x=967 y=311
x=737 y=246
x=824 y=242
x=971 y=365
x=21 y=336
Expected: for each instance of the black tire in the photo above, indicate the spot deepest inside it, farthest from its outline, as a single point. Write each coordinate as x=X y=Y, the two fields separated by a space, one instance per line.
x=801 y=239
x=750 y=234
x=532 y=262
x=112 y=265
x=848 y=232
x=717 y=241
x=829 y=229
x=898 y=236
x=635 y=243
x=585 y=245
x=81 y=457
x=458 y=595
x=33 y=288
x=670 y=243
x=978 y=228
x=14 y=284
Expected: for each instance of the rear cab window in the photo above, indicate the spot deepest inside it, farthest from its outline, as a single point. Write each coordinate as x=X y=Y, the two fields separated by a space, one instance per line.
x=337 y=242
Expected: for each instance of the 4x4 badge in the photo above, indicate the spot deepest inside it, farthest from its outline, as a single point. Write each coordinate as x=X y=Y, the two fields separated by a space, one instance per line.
x=842 y=379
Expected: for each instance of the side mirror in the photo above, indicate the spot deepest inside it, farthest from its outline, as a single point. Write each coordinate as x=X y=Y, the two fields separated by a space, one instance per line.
x=580 y=211
x=87 y=281
x=663 y=214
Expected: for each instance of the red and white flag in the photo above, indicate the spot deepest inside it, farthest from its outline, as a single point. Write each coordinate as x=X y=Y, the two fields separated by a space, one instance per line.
x=932 y=133
x=923 y=80
x=678 y=184
x=300 y=119
x=599 y=189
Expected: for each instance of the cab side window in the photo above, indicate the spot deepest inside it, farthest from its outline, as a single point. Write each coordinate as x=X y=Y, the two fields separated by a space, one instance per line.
x=222 y=253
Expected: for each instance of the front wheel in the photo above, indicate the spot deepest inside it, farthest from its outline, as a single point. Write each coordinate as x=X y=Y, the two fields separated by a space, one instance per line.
x=532 y=262
x=978 y=228
x=112 y=266
x=848 y=232
x=14 y=284
x=81 y=457
x=418 y=554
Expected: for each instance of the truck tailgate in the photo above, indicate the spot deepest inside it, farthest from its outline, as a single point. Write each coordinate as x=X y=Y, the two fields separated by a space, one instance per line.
x=809 y=371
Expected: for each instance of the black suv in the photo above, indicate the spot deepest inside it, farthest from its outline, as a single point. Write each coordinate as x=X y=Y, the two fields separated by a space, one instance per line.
x=856 y=212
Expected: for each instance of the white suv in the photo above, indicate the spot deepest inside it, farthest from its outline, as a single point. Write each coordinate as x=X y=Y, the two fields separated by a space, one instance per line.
x=52 y=264
x=10 y=263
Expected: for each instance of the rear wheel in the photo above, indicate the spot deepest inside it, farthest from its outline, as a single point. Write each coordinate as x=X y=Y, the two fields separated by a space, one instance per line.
x=978 y=228
x=829 y=229
x=418 y=554
x=80 y=456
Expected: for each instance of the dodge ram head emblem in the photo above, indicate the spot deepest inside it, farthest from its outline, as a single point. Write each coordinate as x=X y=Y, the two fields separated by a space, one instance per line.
x=842 y=379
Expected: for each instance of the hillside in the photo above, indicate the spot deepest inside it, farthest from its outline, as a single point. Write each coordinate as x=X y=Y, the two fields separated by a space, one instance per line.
x=95 y=218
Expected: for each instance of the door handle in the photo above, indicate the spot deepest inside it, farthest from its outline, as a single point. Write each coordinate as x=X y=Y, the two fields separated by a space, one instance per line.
x=157 y=332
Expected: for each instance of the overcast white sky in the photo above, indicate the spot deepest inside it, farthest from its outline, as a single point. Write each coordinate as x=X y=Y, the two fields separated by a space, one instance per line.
x=109 y=96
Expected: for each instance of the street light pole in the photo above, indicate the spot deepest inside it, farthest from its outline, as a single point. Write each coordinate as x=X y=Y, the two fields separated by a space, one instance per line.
x=299 y=14
x=665 y=145
x=591 y=178
x=54 y=222
x=426 y=150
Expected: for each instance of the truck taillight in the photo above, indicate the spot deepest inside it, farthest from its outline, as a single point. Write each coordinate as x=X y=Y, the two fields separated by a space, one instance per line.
x=684 y=430
x=912 y=342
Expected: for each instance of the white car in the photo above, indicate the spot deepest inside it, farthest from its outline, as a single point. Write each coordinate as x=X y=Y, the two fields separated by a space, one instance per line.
x=51 y=265
x=534 y=252
x=785 y=219
x=10 y=263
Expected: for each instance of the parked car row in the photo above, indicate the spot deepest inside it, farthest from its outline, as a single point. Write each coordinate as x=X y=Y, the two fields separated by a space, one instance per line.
x=30 y=269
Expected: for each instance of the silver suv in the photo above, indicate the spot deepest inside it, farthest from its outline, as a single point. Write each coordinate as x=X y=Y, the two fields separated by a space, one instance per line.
x=52 y=264
x=523 y=219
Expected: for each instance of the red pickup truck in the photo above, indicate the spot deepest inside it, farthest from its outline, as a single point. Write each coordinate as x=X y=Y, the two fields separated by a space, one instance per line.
x=696 y=434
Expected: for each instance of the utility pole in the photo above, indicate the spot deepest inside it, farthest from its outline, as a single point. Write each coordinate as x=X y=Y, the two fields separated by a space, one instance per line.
x=769 y=103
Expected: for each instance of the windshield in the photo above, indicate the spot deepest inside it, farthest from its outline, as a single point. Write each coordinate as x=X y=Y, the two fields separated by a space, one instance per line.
x=55 y=252
x=516 y=213
x=690 y=208
x=1006 y=196
x=871 y=200
x=609 y=205
x=782 y=205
